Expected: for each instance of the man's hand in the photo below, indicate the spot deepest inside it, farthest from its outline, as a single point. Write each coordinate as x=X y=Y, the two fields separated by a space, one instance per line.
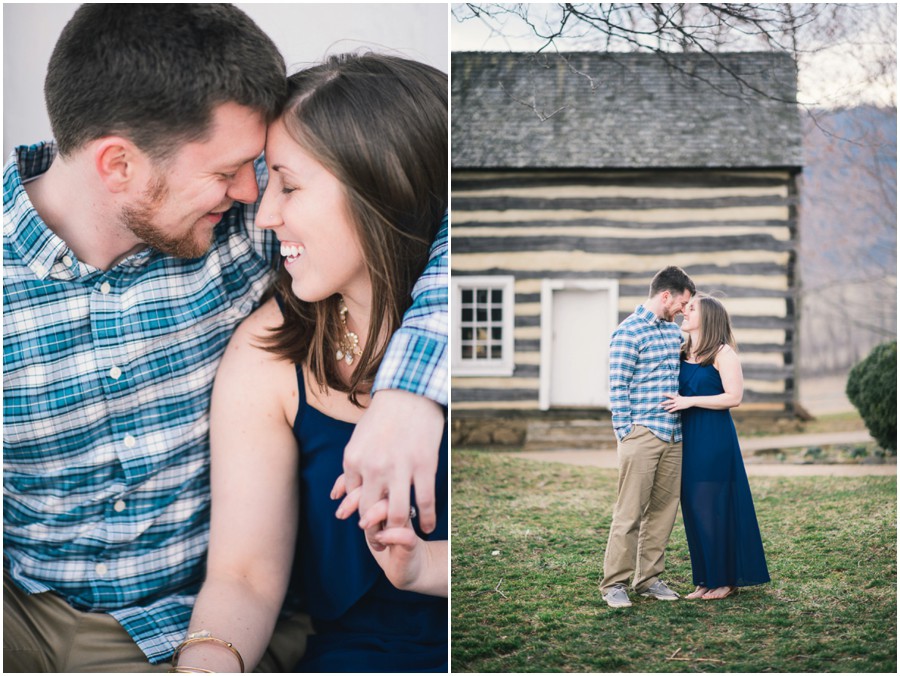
x=394 y=446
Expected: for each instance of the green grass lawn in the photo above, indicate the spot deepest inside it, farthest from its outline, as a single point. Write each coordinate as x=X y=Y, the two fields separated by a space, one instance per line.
x=527 y=555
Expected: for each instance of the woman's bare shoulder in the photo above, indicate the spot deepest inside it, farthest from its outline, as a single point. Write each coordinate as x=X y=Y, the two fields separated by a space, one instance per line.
x=247 y=347
x=256 y=329
x=253 y=373
x=262 y=320
x=726 y=355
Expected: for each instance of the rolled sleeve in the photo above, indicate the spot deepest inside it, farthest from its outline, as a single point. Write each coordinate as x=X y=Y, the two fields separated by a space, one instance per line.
x=416 y=358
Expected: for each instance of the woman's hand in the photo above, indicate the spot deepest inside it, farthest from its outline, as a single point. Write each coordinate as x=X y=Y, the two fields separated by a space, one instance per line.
x=409 y=562
x=396 y=550
x=675 y=402
x=402 y=555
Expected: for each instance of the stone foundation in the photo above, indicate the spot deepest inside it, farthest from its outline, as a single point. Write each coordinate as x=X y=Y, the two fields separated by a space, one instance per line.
x=487 y=432
x=518 y=429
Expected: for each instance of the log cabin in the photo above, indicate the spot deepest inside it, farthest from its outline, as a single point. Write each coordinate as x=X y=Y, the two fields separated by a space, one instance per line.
x=575 y=177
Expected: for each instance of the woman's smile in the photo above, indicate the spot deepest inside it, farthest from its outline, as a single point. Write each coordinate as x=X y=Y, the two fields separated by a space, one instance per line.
x=291 y=252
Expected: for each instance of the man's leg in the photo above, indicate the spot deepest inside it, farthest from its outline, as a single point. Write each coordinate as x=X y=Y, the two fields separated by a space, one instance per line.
x=659 y=518
x=43 y=633
x=638 y=456
x=102 y=645
x=24 y=636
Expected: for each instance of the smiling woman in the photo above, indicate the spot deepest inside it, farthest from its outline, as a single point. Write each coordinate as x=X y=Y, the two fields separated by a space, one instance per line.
x=306 y=206
x=357 y=191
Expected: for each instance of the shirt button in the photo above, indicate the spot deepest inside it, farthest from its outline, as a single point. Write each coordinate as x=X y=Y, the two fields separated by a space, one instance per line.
x=115 y=373
x=67 y=261
x=101 y=569
x=104 y=288
x=130 y=441
x=119 y=506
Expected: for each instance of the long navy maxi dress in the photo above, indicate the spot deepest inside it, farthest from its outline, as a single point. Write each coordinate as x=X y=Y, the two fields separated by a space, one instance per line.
x=719 y=518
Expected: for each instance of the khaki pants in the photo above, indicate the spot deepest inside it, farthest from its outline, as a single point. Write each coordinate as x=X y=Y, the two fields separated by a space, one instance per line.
x=43 y=633
x=644 y=515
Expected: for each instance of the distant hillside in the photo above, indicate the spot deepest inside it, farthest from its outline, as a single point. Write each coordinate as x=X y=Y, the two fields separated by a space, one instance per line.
x=848 y=236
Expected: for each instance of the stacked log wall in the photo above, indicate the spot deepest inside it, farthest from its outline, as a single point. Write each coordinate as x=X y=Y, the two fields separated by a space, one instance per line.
x=733 y=231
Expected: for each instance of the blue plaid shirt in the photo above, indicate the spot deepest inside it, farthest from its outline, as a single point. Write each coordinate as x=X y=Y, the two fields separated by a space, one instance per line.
x=416 y=358
x=106 y=383
x=643 y=368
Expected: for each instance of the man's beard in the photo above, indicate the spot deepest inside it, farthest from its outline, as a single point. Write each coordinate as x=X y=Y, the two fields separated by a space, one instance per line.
x=139 y=219
x=669 y=314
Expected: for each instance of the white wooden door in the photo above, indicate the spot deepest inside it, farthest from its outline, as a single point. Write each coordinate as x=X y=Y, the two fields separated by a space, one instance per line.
x=579 y=354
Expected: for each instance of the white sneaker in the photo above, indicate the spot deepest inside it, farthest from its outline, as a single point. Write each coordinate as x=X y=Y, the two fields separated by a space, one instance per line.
x=660 y=591
x=617 y=597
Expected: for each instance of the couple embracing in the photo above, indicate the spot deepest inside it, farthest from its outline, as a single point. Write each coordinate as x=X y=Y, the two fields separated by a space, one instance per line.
x=197 y=339
x=671 y=398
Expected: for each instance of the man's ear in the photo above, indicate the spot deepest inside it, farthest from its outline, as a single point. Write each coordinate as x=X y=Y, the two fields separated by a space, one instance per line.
x=118 y=162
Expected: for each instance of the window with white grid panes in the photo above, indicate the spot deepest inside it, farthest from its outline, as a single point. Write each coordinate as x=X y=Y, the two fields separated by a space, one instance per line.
x=484 y=319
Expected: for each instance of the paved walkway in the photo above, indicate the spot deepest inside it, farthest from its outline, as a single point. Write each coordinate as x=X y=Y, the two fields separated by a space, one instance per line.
x=787 y=441
x=608 y=459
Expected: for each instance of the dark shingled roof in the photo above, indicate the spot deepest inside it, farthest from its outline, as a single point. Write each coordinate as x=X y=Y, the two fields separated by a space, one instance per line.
x=624 y=111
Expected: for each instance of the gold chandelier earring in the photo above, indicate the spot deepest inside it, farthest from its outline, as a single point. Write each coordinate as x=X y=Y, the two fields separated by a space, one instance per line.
x=348 y=347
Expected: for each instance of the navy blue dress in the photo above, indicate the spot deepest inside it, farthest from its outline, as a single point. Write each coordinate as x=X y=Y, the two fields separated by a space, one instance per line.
x=719 y=519
x=362 y=622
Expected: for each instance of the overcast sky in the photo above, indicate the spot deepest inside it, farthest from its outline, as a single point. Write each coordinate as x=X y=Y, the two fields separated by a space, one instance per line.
x=844 y=72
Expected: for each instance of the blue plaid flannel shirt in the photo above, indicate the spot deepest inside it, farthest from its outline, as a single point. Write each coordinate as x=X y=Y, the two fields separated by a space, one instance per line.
x=643 y=368
x=106 y=383
x=416 y=358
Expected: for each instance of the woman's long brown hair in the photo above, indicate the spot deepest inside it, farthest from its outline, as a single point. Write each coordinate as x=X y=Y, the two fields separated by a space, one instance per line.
x=379 y=125
x=715 y=331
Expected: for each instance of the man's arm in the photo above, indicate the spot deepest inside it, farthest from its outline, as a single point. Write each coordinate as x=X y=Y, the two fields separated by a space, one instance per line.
x=623 y=354
x=416 y=358
x=395 y=445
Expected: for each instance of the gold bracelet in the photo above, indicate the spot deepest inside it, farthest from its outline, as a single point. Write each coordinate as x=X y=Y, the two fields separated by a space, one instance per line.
x=204 y=636
x=189 y=670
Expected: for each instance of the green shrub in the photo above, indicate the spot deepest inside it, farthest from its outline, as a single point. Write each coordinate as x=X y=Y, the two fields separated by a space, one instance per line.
x=859 y=452
x=814 y=453
x=872 y=388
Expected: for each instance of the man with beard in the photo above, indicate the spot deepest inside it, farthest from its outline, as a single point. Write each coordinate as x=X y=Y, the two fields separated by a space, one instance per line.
x=130 y=255
x=643 y=369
